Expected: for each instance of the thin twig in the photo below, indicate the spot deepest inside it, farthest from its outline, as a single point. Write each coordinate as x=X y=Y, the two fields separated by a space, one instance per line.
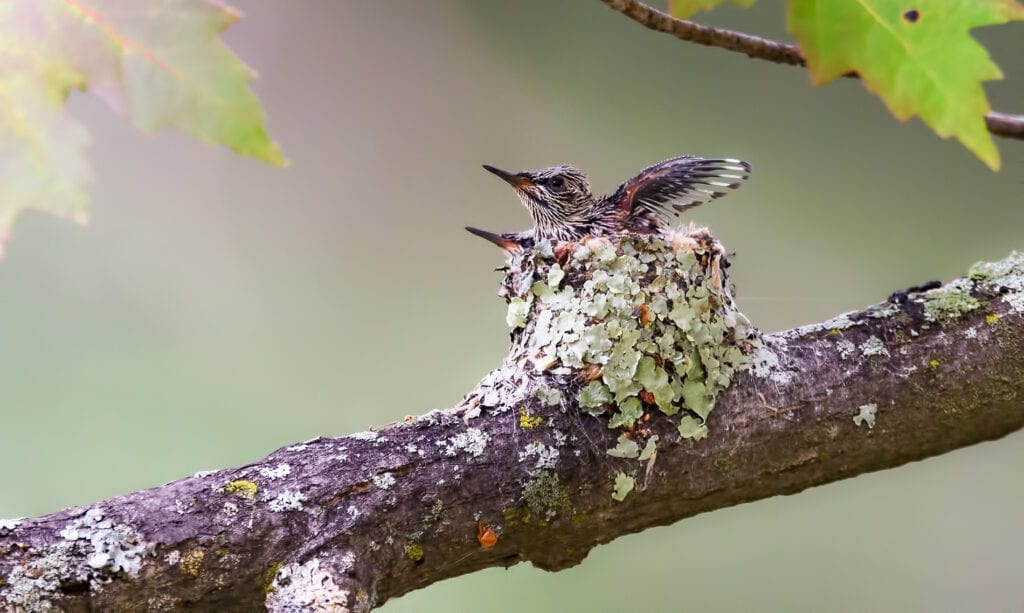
x=1000 y=124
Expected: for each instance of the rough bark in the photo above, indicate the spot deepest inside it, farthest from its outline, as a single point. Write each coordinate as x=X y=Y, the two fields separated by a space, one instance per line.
x=348 y=523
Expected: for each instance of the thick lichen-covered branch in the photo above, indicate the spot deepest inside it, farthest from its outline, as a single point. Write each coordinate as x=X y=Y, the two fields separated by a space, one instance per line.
x=635 y=394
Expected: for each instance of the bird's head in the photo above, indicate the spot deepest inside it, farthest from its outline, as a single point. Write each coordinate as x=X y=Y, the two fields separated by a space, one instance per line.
x=554 y=196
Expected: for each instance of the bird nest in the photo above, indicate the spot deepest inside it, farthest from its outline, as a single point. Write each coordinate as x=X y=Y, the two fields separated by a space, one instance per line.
x=624 y=326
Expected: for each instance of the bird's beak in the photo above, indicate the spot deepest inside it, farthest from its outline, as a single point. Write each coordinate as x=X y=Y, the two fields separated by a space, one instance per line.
x=506 y=244
x=518 y=181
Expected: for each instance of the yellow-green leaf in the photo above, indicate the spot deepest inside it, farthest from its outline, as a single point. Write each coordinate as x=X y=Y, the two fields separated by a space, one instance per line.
x=917 y=55
x=685 y=8
x=161 y=61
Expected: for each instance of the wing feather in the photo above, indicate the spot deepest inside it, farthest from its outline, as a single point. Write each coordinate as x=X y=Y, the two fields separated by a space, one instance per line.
x=678 y=184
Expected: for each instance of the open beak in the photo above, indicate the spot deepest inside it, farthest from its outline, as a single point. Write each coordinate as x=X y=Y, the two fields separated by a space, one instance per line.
x=517 y=181
x=507 y=244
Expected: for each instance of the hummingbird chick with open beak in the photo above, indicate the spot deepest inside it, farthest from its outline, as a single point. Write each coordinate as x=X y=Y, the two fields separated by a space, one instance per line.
x=563 y=208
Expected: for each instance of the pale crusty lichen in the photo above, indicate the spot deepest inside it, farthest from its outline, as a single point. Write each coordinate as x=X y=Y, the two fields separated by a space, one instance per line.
x=287 y=500
x=305 y=587
x=547 y=456
x=874 y=346
x=91 y=549
x=278 y=472
x=116 y=547
x=30 y=587
x=473 y=441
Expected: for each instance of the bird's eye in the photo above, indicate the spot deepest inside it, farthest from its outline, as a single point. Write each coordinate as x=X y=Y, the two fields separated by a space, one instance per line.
x=556 y=182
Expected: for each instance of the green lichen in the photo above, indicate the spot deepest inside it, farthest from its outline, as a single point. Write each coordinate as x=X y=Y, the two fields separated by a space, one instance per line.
x=546 y=496
x=625 y=448
x=517 y=311
x=595 y=395
x=630 y=410
x=866 y=415
x=242 y=488
x=549 y=395
x=692 y=429
x=268 y=577
x=414 y=552
x=624 y=484
x=650 y=449
x=949 y=303
x=192 y=562
x=527 y=420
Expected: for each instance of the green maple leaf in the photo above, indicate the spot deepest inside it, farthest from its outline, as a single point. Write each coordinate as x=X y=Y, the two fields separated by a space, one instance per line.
x=917 y=55
x=685 y=8
x=160 y=61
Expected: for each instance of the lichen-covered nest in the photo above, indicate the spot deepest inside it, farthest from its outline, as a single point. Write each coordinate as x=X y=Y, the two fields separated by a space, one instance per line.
x=627 y=326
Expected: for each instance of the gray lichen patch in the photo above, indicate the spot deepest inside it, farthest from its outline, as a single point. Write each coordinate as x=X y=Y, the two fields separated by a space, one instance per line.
x=845 y=348
x=29 y=587
x=91 y=549
x=473 y=442
x=546 y=456
x=113 y=546
x=874 y=346
x=384 y=480
x=278 y=472
x=287 y=500
x=764 y=364
x=631 y=324
x=305 y=587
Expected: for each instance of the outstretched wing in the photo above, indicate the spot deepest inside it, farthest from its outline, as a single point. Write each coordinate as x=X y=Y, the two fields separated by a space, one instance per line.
x=678 y=184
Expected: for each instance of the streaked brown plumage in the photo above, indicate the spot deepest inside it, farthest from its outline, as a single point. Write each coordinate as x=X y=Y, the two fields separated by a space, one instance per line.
x=563 y=208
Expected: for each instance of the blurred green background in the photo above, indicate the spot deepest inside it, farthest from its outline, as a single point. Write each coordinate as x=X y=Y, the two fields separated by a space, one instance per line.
x=216 y=309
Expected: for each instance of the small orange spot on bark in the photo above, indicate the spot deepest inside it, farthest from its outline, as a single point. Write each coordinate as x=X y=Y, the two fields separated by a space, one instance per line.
x=486 y=535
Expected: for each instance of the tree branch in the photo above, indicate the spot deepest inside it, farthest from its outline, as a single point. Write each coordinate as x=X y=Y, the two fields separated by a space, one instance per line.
x=348 y=523
x=1000 y=124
